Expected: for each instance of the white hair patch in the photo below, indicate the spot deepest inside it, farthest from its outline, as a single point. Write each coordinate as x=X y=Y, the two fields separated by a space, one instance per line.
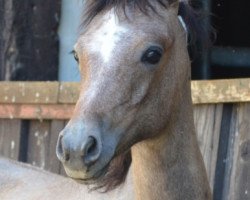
x=183 y=25
x=107 y=36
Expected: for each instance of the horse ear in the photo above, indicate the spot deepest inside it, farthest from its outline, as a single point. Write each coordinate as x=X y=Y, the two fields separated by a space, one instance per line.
x=175 y=6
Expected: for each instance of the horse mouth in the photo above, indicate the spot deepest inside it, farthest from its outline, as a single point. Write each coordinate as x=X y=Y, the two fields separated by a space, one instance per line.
x=97 y=177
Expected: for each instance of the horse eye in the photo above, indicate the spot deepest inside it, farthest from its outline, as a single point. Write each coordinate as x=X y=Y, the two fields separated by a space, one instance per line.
x=152 y=55
x=75 y=56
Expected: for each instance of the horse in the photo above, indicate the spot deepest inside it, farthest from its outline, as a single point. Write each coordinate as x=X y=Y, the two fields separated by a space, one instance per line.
x=25 y=182
x=135 y=102
x=134 y=108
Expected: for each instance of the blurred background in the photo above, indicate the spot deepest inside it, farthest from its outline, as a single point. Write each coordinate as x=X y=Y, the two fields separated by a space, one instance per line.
x=230 y=55
x=36 y=38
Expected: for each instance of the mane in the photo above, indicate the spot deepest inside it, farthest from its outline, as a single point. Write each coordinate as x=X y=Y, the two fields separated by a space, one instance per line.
x=116 y=174
x=199 y=36
x=94 y=7
x=119 y=166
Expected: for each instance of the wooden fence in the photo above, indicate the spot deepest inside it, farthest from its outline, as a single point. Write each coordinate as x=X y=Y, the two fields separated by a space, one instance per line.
x=33 y=113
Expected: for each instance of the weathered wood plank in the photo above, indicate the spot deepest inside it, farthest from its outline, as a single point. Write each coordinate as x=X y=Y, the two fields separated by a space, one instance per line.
x=222 y=157
x=52 y=163
x=203 y=92
x=69 y=92
x=38 y=147
x=221 y=91
x=29 y=92
x=42 y=144
x=207 y=122
x=36 y=111
x=237 y=182
x=10 y=138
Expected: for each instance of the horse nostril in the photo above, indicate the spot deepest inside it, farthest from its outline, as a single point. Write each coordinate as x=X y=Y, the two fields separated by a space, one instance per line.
x=66 y=156
x=78 y=153
x=90 y=151
x=61 y=151
x=91 y=146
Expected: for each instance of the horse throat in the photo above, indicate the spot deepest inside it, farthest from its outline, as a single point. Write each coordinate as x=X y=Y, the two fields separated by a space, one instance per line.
x=170 y=166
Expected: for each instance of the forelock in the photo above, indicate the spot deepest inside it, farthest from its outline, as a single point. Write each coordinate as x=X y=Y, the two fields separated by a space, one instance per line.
x=93 y=7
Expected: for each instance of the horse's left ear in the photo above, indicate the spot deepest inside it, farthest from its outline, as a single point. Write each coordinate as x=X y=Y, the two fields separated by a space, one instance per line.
x=175 y=6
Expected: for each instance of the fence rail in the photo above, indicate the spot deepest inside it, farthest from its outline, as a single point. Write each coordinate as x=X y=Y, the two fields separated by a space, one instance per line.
x=54 y=100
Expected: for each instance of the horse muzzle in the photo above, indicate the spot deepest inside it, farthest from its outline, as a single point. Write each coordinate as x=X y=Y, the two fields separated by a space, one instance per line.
x=84 y=153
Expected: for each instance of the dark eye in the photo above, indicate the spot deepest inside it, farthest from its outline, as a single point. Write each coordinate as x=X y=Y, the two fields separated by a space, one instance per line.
x=152 y=55
x=75 y=55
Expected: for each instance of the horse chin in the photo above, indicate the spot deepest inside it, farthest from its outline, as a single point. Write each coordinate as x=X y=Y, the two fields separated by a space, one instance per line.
x=93 y=179
x=87 y=178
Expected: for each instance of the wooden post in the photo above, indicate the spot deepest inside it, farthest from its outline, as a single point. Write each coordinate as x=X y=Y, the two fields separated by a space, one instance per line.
x=29 y=52
x=6 y=21
x=29 y=39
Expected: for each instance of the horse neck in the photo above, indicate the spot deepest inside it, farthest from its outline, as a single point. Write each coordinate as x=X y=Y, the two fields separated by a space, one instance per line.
x=171 y=166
